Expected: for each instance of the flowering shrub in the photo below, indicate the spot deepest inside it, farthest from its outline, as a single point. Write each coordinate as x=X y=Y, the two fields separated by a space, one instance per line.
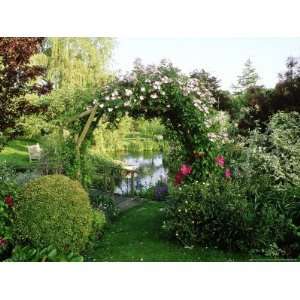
x=276 y=152
x=228 y=173
x=231 y=215
x=220 y=161
x=9 y=201
x=184 y=171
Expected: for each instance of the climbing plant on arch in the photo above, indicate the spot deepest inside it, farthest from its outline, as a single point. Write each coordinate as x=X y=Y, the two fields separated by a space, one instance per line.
x=182 y=103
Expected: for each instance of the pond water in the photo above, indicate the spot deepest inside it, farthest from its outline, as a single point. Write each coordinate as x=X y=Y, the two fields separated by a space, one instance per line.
x=150 y=170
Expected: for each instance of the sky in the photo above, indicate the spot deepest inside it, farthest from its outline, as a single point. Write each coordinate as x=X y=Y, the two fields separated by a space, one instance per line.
x=222 y=57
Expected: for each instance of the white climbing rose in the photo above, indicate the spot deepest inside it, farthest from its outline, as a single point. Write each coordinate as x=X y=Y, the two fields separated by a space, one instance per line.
x=128 y=92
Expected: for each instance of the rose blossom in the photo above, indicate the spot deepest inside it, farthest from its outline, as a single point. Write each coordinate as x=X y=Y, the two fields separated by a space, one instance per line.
x=220 y=161
x=178 y=178
x=228 y=173
x=9 y=201
x=185 y=170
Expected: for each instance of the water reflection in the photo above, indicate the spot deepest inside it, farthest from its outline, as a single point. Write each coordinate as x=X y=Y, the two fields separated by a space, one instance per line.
x=150 y=170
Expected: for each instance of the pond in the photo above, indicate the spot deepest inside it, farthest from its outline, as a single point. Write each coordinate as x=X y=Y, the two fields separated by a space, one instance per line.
x=150 y=170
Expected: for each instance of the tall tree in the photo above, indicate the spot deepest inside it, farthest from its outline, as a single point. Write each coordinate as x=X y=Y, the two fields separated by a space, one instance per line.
x=76 y=62
x=248 y=79
x=18 y=77
x=287 y=91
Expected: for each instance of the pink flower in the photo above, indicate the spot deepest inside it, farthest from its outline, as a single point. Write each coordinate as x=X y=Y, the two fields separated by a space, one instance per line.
x=9 y=201
x=185 y=170
x=2 y=242
x=228 y=173
x=220 y=161
x=178 y=178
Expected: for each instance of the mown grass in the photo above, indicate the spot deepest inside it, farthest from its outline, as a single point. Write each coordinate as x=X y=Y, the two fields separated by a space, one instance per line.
x=137 y=235
x=15 y=153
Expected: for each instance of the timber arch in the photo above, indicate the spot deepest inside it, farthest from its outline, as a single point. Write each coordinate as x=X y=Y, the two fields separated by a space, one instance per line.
x=181 y=102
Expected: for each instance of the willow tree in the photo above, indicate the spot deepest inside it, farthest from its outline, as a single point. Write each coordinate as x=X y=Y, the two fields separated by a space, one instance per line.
x=77 y=68
x=77 y=62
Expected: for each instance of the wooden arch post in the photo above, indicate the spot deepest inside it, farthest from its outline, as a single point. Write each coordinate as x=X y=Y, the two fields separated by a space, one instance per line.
x=79 y=138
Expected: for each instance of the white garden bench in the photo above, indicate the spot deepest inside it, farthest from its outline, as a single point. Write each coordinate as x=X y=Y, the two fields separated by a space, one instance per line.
x=35 y=152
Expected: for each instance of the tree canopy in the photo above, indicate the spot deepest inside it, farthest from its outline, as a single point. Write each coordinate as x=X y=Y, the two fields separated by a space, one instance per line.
x=76 y=62
x=19 y=77
x=248 y=78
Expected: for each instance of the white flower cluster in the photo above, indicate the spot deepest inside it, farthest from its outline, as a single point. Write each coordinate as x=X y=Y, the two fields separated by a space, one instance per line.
x=191 y=86
x=154 y=82
x=208 y=123
x=220 y=121
x=157 y=85
x=128 y=77
x=203 y=99
x=128 y=92
x=218 y=137
x=201 y=105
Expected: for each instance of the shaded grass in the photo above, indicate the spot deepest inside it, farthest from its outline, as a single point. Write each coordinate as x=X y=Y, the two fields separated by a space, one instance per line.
x=15 y=153
x=137 y=235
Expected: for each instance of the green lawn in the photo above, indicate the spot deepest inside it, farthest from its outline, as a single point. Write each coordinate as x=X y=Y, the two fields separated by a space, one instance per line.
x=15 y=153
x=137 y=236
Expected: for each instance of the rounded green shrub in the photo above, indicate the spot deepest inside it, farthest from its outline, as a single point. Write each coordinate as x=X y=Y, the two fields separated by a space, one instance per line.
x=54 y=210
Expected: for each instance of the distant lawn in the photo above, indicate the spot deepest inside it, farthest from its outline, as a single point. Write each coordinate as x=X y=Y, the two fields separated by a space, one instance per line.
x=137 y=236
x=15 y=153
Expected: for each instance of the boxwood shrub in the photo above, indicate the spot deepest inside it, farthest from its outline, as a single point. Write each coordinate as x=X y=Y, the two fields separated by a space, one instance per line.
x=54 y=210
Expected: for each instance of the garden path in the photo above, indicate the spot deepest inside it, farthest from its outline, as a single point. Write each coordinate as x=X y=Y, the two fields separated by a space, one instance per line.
x=122 y=202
